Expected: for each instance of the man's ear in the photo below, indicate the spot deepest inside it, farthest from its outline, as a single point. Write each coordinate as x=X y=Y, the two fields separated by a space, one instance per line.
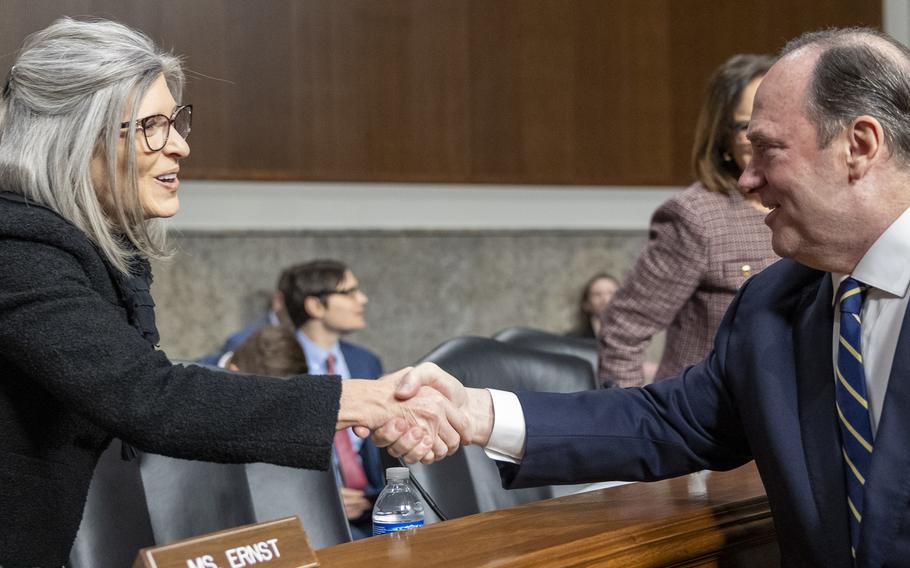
x=314 y=307
x=866 y=139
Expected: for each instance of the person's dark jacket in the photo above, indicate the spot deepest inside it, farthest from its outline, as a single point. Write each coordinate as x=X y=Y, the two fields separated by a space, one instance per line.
x=77 y=367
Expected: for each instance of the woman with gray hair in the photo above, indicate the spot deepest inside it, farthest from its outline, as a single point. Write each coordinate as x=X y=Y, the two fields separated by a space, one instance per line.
x=91 y=141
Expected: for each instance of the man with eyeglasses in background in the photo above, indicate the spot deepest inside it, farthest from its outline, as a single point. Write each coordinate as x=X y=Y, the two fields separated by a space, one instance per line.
x=321 y=300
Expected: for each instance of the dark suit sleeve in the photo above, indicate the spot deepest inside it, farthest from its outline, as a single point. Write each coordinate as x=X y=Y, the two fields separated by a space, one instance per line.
x=377 y=367
x=372 y=466
x=362 y=363
x=663 y=430
x=61 y=337
x=369 y=453
x=371 y=363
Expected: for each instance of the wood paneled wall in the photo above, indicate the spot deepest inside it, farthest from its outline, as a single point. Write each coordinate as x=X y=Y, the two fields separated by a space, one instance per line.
x=501 y=91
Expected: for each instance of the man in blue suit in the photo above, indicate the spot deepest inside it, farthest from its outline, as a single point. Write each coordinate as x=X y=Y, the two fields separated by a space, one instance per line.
x=321 y=300
x=324 y=302
x=810 y=373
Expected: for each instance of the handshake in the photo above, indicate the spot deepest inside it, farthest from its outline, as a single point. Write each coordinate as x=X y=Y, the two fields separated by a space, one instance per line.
x=419 y=413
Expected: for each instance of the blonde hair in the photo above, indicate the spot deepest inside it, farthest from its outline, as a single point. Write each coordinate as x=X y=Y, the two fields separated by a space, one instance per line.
x=62 y=106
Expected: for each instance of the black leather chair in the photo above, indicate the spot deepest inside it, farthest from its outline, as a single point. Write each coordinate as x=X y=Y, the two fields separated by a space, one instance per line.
x=188 y=498
x=581 y=347
x=313 y=496
x=155 y=500
x=115 y=522
x=469 y=481
x=487 y=363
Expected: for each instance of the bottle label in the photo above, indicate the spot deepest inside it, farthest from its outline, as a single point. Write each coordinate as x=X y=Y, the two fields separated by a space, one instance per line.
x=383 y=528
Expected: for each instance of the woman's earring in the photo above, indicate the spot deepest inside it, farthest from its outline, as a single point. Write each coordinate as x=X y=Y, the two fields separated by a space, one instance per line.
x=727 y=157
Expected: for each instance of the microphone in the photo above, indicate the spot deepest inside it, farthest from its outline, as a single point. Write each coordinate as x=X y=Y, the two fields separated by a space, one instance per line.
x=423 y=493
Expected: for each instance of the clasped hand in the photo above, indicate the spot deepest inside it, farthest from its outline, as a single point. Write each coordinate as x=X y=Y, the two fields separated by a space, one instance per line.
x=419 y=413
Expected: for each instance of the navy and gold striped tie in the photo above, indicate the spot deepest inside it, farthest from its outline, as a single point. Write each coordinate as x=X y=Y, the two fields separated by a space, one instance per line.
x=852 y=403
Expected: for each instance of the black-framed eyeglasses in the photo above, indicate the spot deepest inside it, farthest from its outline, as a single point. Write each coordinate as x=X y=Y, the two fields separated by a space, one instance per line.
x=156 y=129
x=350 y=292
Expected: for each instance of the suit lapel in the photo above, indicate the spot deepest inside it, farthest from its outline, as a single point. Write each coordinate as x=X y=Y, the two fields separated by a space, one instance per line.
x=817 y=419
x=355 y=363
x=886 y=495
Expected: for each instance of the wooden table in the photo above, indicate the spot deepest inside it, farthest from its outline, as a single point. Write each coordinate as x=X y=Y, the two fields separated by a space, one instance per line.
x=666 y=523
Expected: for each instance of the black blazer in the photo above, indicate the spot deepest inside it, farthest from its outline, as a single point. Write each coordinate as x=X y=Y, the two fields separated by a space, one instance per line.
x=74 y=372
x=765 y=392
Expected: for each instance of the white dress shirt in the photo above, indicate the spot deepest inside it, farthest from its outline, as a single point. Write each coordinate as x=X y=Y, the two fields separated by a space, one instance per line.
x=885 y=267
x=507 y=440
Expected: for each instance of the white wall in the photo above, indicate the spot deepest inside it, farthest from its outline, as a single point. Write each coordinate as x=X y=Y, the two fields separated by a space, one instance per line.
x=896 y=19
x=218 y=206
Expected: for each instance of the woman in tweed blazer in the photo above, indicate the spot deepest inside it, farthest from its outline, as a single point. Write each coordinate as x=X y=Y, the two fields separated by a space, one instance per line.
x=704 y=243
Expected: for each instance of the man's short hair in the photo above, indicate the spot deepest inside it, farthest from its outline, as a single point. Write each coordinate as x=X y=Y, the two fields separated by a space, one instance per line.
x=317 y=278
x=861 y=71
x=272 y=351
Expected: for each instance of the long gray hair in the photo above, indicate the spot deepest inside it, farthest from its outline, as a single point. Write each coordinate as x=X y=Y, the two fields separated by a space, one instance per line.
x=65 y=98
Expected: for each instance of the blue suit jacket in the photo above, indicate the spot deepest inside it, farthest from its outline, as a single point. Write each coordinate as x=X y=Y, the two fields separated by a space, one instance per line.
x=364 y=364
x=766 y=392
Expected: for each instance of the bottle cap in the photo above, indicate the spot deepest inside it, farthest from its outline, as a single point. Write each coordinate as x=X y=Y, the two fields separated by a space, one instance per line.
x=397 y=473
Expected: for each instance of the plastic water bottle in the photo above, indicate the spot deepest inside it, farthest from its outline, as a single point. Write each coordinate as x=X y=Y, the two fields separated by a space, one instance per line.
x=397 y=508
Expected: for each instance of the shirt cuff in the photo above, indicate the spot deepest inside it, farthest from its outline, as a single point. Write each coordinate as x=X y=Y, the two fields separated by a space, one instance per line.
x=225 y=359
x=507 y=440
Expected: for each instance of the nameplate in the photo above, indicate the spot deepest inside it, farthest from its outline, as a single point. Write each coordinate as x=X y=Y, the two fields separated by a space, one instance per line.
x=273 y=544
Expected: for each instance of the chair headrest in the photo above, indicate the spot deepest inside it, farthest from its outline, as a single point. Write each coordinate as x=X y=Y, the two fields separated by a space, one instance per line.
x=518 y=334
x=582 y=347
x=482 y=362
